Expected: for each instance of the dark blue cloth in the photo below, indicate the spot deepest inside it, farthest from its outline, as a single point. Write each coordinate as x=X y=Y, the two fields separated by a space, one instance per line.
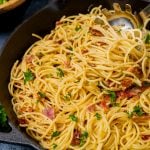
x=8 y=22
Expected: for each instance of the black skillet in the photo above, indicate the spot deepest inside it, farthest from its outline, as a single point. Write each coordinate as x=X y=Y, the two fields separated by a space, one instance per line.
x=41 y=23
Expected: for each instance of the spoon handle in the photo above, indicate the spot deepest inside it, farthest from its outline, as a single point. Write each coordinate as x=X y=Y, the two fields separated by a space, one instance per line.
x=145 y=15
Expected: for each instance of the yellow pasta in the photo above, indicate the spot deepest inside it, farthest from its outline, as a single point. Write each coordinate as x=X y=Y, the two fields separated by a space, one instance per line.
x=85 y=86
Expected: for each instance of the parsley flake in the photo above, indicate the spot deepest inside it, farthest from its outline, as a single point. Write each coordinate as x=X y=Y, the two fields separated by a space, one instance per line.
x=147 y=39
x=55 y=134
x=138 y=110
x=83 y=138
x=78 y=28
x=54 y=146
x=73 y=117
x=67 y=96
x=60 y=72
x=41 y=94
x=28 y=76
x=98 y=116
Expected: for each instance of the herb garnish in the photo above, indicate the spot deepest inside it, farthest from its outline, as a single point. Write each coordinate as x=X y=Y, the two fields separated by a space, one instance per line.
x=78 y=28
x=83 y=138
x=70 y=48
x=55 y=133
x=73 y=117
x=3 y=1
x=113 y=98
x=60 y=72
x=41 y=94
x=67 y=96
x=98 y=116
x=147 y=39
x=28 y=76
x=136 y=110
x=54 y=146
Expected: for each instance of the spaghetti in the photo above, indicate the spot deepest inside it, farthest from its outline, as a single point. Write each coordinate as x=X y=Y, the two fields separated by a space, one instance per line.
x=86 y=85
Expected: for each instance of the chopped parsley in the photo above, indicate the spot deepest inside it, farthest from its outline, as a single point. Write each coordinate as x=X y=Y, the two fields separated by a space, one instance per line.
x=147 y=39
x=70 y=48
x=98 y=116
x=83 y=138
x=78 y=28
x=3 y=1
x=60 y=72
x=55 y=134
x=67 y=96
x=54 y=146
x=137 y=110
x=28 y=76
x=73 y=117
x=130 y=114
x=113 y=98
x=41 y=94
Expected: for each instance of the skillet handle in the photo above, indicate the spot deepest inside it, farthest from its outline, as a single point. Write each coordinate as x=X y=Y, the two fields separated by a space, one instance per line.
x=16 y=137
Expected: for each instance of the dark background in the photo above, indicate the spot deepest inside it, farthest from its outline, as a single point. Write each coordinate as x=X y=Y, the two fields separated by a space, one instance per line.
x=8 y=22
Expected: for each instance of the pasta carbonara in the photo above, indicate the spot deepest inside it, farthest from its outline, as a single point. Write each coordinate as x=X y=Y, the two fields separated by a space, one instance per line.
x=85 y=86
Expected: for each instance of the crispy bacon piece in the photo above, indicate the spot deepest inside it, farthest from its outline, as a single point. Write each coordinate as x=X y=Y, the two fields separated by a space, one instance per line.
x=96 y=32
x=131 y=92
x=22 y=121
x=49 y=112
x=67 y=64
x=29 y=58
x=91 y=108
x=145 y=137
x=104 y=105
x=58 y=23
x=140 y=119
x=101 y=43
x=26 y=109
x=136 y=70
x=126 y=82
x=84 y=51
x=76 y=137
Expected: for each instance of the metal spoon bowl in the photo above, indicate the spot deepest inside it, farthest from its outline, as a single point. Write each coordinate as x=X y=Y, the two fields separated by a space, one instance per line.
x=126 y=19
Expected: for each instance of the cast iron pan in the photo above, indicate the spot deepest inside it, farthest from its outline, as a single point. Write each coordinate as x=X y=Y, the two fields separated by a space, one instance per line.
x=41 y=23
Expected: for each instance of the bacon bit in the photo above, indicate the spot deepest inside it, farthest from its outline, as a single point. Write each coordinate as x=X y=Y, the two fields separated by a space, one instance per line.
x=145 y=137
x=126 y=82
x=30 y=109
x=96 y=32
x=67 y=64
x=104 y=105
x=84 y=51
x=92 y=65
x=141 y=119
x=22 y=121
x=133 y=92
x=59 y=41
x=29 y=58
x=91 y=108
x=101 y=43
x=136 y=70
x=76 y=137
x=58 y=23
x=26 y=109
x=49 y=112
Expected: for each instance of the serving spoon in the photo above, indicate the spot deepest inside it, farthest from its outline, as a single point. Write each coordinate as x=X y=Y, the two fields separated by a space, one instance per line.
x=126 y=19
